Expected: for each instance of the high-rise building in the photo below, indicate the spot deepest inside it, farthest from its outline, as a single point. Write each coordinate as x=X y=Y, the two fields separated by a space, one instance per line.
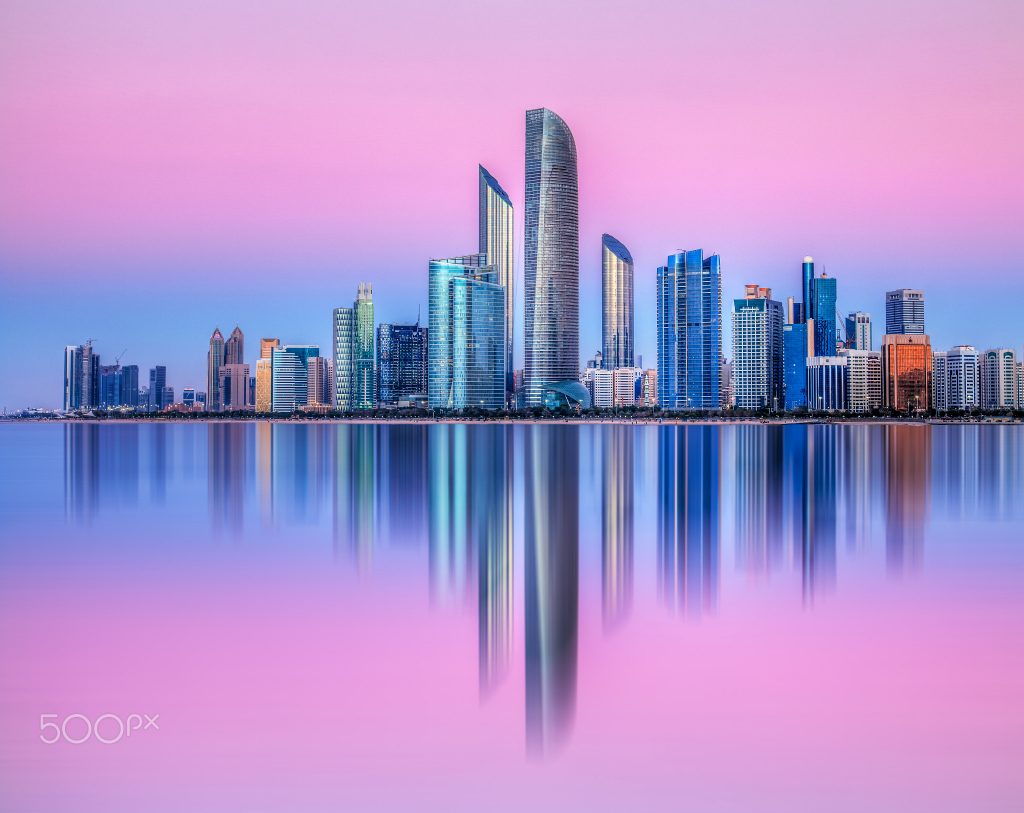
x=466 y=349
x=728 y=391
x=264 y=383
x=904 y=312
x=858 y=331
x=158 y=394
x=344 y=357
x=319 y=382
x=757 y=351
x=81 y=377
x=364 y=384
x=649 y=389
x=807 y=280
x=616 y=304
x=690 y=331
x=233 y=385
x=401 y=362
x=906 y=372
x=128 y=386
x=602 y=388
x=234 y=347
x=496 y=239
x=864 y=367
x=110 y=390
x=624 y=381
x=998 y=372
x=823 y=312
x=827 y=383
x=267 y=347
x=955 y=379
x=797 y=347
x=188 y=397
x=552 y=255
x=290 y=376
x=214 y=360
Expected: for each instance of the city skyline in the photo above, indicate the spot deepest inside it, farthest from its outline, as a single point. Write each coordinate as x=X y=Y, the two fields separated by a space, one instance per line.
x=134 y=221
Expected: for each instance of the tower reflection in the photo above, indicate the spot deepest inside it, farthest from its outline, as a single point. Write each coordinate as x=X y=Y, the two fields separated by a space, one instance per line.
x=448 y=534
x=907 y=491
x=616 y=460
x=229 y=462
x=759 y=537
x=101 y=467
x=688 y=517
x=551 y=537
x=354 y=496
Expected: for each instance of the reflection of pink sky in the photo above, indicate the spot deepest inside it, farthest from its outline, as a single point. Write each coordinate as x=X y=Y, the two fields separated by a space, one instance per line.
x=313 y=690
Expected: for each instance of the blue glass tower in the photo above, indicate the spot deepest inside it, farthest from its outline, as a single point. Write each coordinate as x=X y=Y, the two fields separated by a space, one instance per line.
x=690 y=331
x=290 y=376
x=807 y=273
x=466 y=348
x=823 y=312
x=795 y=346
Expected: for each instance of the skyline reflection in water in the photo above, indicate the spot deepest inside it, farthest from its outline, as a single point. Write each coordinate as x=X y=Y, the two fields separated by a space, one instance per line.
x=555 y=544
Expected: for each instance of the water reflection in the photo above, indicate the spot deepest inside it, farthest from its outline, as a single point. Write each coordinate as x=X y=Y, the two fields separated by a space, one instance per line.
x=782 y=502
x=551 y=539
x=689 y=517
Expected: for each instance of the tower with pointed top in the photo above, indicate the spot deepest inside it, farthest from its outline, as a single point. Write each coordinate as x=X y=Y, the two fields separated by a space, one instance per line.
x=214 y=361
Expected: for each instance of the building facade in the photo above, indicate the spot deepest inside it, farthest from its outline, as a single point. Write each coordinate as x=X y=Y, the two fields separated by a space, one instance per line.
x=496 y=240
x=343 y=330
x=364 y=384
x=906 y=372
x=797 y=347
x=757 y=351
x=955 y=384
x=864 y=380
x=823 y=312
x=290 y=376
x=904 y=312
x=214 y=361
x=264 y=379
x=827 y=383
x=616 y=304
x=401 y=362
x=858 y=331
x=689 y=331
x=233 y=385
x=160 y=396
x=466 y=349
x=551 y=266
x=998 y=369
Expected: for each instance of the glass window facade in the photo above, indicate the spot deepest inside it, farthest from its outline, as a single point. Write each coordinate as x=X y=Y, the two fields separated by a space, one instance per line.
x=616 y=304
x=823 y=291
x=794 y=362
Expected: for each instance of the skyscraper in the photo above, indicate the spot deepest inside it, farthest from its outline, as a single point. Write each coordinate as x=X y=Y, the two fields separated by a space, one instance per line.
x=904 y=312
x=364 y=384
x=864 y=380
x=234 y=347
x=807 y=278
x=401 y=362
x=823 y=312
x=616 y=303
x=466 y=338
x=552 y=261
x=81 y=377
x=319 y=383
x=906 y=372
x=858 y=331
x=797 y=347
x=344 y=357
x=690 y=331
x=496 y=238
x=233 y=385
x=290 y=376
x=267 y=347
x=264 y=382
x=128 y=386
x=827 y=383
x=158 y=394
x=757 y=350
x=998 y=370
x=955 y=384
x=214 y=360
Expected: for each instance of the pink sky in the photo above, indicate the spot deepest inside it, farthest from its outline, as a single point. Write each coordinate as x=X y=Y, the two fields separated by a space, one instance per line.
x=158 y=147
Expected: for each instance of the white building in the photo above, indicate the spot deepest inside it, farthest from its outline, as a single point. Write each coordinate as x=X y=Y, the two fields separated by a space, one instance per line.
x=955 y=379
x=998 y=378
x=603 y=394
x=624 y=385
x=864 y=392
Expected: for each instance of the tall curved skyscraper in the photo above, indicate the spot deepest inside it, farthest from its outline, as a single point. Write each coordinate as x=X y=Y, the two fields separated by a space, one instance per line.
x=496 y=242
x=552 y=260
x=616 y=304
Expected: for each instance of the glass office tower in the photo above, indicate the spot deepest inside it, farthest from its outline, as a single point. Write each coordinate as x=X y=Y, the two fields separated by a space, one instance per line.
x=690 y=331
x=466 y=348
x=797 y=346
x=344 y=357
x=496 y=238
x=552 y=261
x=616 y=304
x=401 y=362
x=214 y=361
x=290 y=376
x=807 y=276
x=904 y=312
x=757 y=332
x=364 y=384
x=823 y=312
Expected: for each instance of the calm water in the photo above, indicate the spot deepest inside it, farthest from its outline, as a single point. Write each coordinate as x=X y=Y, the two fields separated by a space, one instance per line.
x=329 y=617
